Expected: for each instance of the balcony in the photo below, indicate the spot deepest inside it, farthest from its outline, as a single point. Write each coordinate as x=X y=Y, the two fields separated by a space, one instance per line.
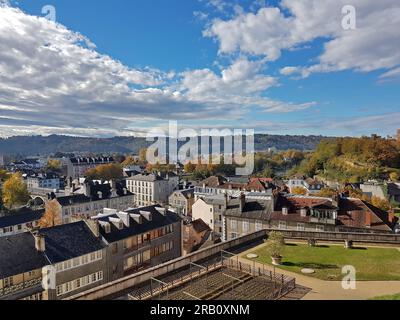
x=323 y=220
x=20 y=287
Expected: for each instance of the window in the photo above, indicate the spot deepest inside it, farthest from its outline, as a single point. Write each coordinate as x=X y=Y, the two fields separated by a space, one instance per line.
x=301 y=227
x=114 y=248
x=233 y=224
x=79 y=283
x=8 y=282
x=282 y=225
x=259 y=225
x=245 y=226
x=19 y=227
x=320 y=228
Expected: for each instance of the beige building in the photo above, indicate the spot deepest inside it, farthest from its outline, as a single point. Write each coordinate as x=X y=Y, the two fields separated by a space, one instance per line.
x=181 y=202
x=211 y=211
x=151 y=189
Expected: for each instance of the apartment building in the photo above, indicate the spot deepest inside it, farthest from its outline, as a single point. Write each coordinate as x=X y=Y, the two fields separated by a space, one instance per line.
x=70 y=256
x=304 y=213
x=181 y=201
x=139 y=238
x=152 y=188
x=20 y=221
x=49 y=181
x=90 y=198
x=211 y=210
x=77 y=167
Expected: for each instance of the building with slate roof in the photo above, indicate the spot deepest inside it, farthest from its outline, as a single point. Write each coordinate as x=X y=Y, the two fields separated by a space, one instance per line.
x=20 y=221
x=72 y=256
x=139 y=238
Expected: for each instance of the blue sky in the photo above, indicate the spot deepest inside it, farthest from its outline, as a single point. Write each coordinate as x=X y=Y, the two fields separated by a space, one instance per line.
x=205 y=63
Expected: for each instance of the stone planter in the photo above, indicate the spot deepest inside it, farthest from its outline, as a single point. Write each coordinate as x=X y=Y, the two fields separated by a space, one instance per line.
x=276 y=261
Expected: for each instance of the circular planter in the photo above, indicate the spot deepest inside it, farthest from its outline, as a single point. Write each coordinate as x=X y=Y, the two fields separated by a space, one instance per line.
x=276 y=261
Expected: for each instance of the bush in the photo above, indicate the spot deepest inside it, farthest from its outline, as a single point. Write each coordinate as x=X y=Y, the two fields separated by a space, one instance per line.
x=275 y=244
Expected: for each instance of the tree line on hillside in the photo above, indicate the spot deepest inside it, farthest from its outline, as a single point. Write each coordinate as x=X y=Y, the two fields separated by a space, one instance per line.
x=50 y=145
x=353 y=160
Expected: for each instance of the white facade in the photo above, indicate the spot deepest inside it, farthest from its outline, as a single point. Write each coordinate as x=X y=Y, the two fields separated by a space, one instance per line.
x=211 y=214
x=151 y=189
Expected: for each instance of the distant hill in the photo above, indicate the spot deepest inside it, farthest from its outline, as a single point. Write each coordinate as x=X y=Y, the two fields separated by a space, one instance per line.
x=46 y=145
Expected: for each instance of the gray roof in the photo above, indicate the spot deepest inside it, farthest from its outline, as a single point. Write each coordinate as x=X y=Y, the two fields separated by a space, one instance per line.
x=146 y=177
x=158 y=220
x=253 y=209
x=19 y=255
x=21 y=216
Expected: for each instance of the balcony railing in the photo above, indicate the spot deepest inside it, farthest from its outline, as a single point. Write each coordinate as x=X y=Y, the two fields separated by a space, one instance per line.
x=323 y=220
x=20 y=287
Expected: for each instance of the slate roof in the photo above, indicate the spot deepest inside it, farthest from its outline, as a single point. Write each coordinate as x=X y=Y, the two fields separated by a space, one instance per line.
x=158 y=221
x=188 y=193
x=394 y=189
x=21 y=216
x=18 y=253
x=146 y=177
x=88 y=160
x=69 y=241
x=105 y=189
x=259 y=210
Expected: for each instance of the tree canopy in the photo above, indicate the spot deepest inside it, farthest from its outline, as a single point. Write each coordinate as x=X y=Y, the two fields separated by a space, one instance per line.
x=15 y=192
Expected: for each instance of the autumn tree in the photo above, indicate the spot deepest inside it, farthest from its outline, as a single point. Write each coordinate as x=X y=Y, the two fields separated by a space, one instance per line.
x=15 y=192
x=105 y=172
x=52 y=215
x=189 y=167
x=143 y=155
x=4 y=175
x=53 y=165
x=299 y=191
x=327 y=193
x=394 y=176
x=382 y=204
x=129 y=161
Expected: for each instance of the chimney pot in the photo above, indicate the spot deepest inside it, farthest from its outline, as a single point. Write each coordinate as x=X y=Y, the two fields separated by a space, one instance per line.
x=40 y=243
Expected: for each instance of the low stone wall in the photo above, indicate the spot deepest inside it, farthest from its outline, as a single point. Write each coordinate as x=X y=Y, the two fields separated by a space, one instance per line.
x=124 y=284
x=376 y=238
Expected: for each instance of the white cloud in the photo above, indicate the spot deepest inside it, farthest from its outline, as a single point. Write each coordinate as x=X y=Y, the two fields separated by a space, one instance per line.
x=393 y=73
x=374 y=45
x=52 y=77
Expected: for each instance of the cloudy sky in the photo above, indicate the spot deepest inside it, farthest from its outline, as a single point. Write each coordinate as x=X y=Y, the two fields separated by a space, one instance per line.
x=119 y=68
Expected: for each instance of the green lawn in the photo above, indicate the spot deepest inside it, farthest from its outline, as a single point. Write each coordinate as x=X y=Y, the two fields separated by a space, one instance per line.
x=393 y=297
x=372 y=264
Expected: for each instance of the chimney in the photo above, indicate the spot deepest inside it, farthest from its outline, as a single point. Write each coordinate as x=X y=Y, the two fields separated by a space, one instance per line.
x=242 y=201
x=40 y=243
x=113 y=189
x=368 y=219
x=87 y=189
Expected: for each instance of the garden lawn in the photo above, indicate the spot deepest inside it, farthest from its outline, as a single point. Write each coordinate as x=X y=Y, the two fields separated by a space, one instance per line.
x=393 y=297
x=372 y=264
